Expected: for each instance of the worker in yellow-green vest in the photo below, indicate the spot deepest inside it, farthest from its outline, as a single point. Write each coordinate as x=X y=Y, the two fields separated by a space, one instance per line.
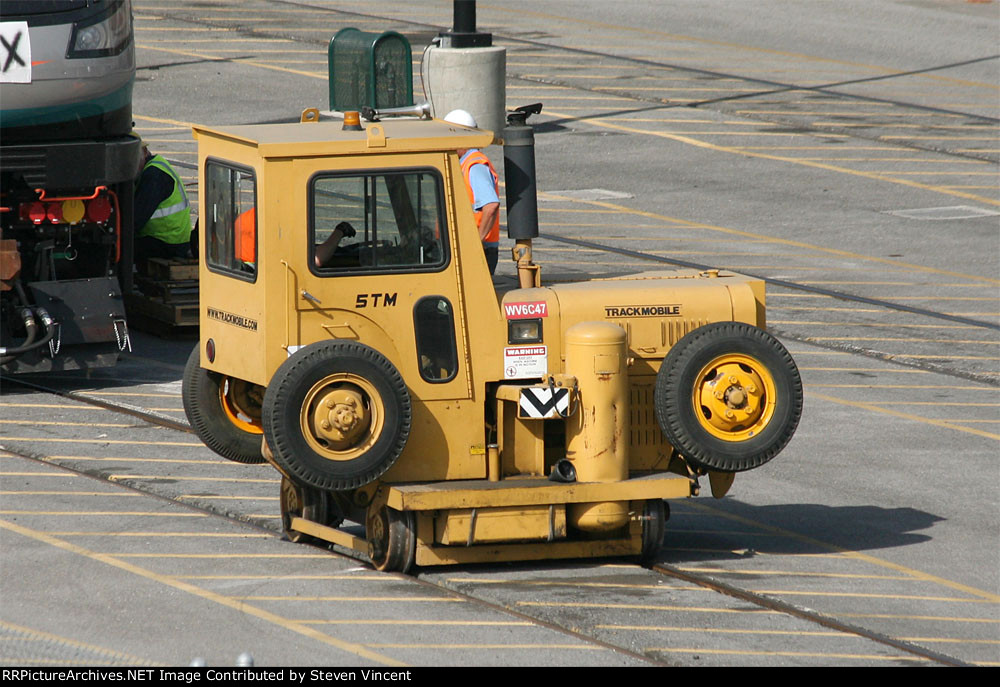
x=162 y=212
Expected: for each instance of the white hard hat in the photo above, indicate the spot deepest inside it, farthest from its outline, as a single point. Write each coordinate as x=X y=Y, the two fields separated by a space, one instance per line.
x=462 y=118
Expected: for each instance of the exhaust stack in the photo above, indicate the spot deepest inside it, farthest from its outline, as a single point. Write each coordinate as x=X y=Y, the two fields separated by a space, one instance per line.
x=522 y=191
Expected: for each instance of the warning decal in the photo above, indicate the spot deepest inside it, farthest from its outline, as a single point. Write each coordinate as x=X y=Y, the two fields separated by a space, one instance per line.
x=520 y=362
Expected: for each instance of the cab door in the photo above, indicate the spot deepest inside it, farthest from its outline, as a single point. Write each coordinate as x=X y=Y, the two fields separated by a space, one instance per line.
x=381 y=270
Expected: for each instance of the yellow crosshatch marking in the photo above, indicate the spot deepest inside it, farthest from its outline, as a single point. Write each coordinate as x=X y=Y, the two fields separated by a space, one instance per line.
x=907 y=416
x=208 y=595
x=107 y=655
x=916 y=574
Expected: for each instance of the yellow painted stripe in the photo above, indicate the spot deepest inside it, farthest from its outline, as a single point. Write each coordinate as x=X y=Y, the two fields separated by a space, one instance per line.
x=99 y=394
x=202 y=56
x=105 y=441
x=902 y=386
x=792 y=573
x=4 y=404
x=115 y=478
x=886 y=325
x=644 y=607
x=38 y=474
x=859 y=595
x=917 y=574
x=790 y=654
x=196 y=535
x=364 y=576
x=228 y=602
x=729 y=631
x=485 y=647
x=52 y=492
x=34 y=422
x=78 y=513
x=961 y=404
x=217 y=497
x=570 y=583
x=221 y=556
x=900 y=616
x=432 y=623
x=862 y=369
x=904 y=339
x=791 y=160
x=950 y=640
x=389 y=599
x=906 y=416
x=945 y=355
x=130 y=460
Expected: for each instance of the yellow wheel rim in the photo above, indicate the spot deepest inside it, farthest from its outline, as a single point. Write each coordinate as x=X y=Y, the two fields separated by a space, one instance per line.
x=241 y=404
x=342 y=416
x=734 y=397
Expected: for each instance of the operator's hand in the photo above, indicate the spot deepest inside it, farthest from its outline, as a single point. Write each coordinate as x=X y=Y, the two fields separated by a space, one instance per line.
x=346 y=230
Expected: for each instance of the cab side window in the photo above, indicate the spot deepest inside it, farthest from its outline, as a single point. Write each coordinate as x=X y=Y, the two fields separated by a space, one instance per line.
x=379 y=222
x=231 y=223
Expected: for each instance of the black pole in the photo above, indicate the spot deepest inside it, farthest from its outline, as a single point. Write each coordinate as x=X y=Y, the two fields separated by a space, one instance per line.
x=463 y=33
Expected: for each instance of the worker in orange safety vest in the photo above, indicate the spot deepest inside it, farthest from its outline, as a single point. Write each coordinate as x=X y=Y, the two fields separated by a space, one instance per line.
x=483 y=185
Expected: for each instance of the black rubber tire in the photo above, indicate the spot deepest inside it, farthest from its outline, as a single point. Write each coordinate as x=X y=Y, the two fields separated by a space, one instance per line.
x=392 y=539
x=201 y=392
x=687 y=425
x=301 y=381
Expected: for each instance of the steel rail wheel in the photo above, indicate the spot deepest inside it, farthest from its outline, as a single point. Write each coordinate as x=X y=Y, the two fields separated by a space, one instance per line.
x=654 y=526
x=224 y=412
x=392 y=538
x=728 y=396
x=299 y=501
x=336 y=415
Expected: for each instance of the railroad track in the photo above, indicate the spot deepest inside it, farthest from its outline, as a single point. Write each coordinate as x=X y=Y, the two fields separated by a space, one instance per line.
x=543 y=608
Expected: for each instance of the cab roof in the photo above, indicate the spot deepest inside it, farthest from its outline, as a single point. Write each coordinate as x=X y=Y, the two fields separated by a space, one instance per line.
x=328 y=138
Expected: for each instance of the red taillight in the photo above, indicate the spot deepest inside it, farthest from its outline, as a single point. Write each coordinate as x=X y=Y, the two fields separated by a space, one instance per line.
x=210 y=350
x=34 y=212
x=99 y=209
x=54 y=212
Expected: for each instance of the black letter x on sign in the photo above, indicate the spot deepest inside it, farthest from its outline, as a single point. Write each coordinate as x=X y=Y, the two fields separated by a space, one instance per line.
x=12 y=51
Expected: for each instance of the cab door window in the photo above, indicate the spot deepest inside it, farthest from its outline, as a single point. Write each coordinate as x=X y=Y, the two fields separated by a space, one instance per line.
x=379 y=222
x=231 y=224
x=434 y=324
